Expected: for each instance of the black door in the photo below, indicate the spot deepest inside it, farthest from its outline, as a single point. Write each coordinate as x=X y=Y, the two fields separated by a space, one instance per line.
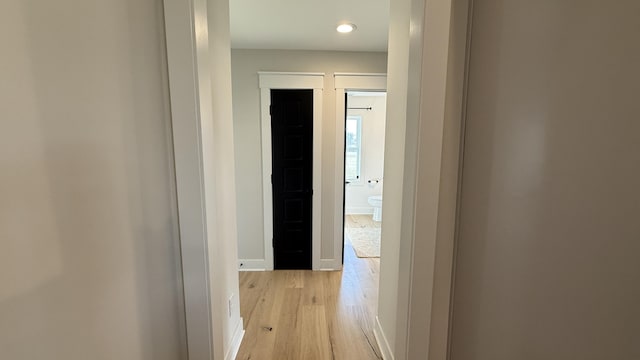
x=292 y=152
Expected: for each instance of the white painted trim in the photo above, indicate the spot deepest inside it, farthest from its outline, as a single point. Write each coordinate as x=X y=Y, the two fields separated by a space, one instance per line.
x=381 y=339
x=291 y=73
x=236 y=341
x=316 y=223
x=330 y=264
x=314 y=81
x=251 y=265
x=342 y=83
x=279 y=80
x=434 y=141
x=267 y=195
x=361 y=81
x=181 y=30
x=338 y=187
x=362 y=210
x=340 y=74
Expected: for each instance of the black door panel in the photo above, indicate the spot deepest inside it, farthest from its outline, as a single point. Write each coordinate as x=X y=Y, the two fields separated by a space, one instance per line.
x=292 y=152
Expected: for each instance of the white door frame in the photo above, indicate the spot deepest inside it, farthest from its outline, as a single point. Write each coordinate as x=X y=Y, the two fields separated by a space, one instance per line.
x=437 y=68
x=436 y=99
x=290 y=80
x=183 y=55
x=344 y=82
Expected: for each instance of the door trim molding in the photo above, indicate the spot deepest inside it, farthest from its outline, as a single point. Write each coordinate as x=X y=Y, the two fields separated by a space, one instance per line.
x=182 y=29
x=344 y=82
x=284 y=80
x=185 y=83
x=433 y=158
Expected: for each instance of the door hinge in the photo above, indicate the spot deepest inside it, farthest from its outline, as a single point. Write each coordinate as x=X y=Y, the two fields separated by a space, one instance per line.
x=273 y=243
x=270 y=109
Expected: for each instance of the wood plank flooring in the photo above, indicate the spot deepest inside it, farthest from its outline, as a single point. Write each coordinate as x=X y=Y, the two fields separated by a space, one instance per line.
x=307 y=315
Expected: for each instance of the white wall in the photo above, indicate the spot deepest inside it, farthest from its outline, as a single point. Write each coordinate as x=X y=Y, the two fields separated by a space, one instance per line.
x=372 y=153
x=89 y=247
x=397 y=83
x=429 y=42
x=246 y=108
x=547 y=264
x=219 y=173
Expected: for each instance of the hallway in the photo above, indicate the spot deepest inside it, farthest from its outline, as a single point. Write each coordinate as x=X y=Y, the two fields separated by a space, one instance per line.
x=299 y=314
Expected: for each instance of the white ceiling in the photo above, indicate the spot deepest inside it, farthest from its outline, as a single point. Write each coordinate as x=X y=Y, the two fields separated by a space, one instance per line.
x=309 y=24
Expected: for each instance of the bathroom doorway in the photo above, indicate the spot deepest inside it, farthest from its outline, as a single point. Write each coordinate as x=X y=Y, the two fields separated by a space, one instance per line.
x=364 y=135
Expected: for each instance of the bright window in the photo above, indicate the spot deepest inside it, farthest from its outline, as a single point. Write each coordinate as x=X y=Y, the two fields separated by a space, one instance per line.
x=353 y=145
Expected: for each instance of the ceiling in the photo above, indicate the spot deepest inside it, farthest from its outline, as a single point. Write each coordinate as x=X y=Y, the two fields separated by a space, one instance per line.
x=309 y=24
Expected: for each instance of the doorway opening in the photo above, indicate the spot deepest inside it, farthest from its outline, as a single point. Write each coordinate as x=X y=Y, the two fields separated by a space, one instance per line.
x=364 y=137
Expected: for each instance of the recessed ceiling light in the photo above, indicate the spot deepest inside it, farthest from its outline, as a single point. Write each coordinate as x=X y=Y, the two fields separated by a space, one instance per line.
x=345 y=28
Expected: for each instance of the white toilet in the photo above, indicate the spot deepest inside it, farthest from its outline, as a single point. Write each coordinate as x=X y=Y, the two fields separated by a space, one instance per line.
x=376 y=202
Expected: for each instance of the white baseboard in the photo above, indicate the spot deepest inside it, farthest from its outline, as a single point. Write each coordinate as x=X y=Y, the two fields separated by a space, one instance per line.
x=251 y=265
x=259 y=265
x=236 y=340
x=330 y=265
x=358 y=210
x=383 y=344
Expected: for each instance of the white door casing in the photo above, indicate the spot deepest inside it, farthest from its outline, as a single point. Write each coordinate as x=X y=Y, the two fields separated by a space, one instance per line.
x=285 y=80
x=182 y=21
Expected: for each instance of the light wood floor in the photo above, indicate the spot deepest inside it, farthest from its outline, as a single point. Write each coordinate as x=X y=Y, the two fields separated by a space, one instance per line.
x=307 y=315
